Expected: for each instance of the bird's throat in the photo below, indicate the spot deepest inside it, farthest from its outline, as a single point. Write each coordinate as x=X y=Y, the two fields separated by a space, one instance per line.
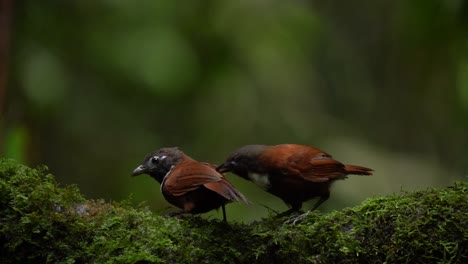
x=262 y=180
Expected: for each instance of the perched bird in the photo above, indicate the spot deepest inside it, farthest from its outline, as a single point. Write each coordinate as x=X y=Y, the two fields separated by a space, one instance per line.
x=195 y=187
x=294 y=173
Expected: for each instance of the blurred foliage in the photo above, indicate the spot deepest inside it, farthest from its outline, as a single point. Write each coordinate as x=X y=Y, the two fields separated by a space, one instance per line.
x=96 y=85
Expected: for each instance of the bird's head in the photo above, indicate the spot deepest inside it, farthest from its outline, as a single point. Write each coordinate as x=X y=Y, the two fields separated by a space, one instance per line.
x=242 y=160
x=158 y=163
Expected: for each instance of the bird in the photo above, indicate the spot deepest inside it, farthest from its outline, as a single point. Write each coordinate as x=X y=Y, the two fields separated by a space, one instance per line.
x=294 y=173
x=194 y=187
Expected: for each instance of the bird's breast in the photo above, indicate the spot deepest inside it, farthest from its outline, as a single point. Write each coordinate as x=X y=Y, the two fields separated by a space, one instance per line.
x=262 y=180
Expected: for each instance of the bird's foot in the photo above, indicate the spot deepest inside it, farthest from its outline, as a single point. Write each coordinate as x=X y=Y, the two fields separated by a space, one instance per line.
x=288 y=212
x=297 y=219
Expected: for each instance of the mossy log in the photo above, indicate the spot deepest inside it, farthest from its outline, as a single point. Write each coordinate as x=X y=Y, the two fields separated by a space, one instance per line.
x=42 y=222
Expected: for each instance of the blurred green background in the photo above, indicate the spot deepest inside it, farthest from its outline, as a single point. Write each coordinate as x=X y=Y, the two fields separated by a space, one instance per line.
x=90 y=87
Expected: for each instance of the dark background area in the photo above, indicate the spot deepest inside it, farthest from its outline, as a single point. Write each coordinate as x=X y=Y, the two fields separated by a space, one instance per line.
x=90 y=87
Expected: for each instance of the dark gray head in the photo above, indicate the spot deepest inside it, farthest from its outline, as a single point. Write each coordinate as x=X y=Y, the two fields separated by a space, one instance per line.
x=158 y=163
x=242 y=160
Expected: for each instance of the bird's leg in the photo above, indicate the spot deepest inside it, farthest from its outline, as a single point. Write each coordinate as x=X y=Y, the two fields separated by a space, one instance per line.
x=300 y=218
x=288 y=212
x=319 y=202
x=269 y=208
x=295 y=207
x=224 y=213
x=188 y=207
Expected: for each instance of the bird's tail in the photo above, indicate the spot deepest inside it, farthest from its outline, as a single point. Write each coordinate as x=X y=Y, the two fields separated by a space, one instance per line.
x=241 y=197
x=233 y=194
x=358 y=170
x=226 y=189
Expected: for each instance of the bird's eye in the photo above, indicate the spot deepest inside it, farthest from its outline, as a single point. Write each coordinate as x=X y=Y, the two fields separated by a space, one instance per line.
x=157 y=159
x=232 y=163
x=154 y=159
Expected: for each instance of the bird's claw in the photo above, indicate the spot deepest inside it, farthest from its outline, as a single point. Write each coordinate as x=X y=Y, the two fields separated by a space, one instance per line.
x=297 y=219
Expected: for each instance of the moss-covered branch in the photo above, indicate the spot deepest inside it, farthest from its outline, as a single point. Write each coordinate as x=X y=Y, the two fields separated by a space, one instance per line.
x=43 y=222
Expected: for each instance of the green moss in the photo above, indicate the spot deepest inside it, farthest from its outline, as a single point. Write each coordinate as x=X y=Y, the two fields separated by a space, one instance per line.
x=421 y=227
x=43 y=222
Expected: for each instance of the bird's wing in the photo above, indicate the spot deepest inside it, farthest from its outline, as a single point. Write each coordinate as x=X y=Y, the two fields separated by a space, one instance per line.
x=191 y=175
x=322 y=168
x=306 y=162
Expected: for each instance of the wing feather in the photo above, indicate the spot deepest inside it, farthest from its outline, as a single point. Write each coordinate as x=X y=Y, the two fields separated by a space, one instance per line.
x=306 y=162
x=190 y=175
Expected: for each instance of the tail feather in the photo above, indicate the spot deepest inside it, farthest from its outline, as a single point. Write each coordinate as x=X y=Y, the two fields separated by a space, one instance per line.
x=358 y=170
x=240 y=197
x=236 y=195
x=227 y=190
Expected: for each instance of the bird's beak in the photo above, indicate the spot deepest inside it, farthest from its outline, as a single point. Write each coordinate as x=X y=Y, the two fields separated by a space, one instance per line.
x=139 y=170
x=222 y=168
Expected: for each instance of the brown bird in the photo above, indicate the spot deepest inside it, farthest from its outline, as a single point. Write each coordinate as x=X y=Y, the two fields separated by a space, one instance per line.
x=195 y=187
x=294 y=173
